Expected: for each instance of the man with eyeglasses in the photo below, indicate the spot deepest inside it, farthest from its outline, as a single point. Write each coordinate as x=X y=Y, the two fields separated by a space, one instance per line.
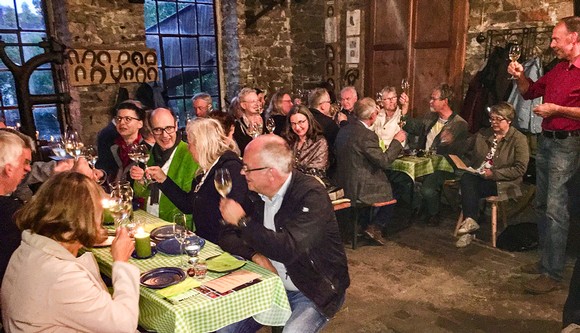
x=251 y=124
x=558 y=153
x=389 y=119
x=294 y=225
x=319 y=104
x=169 y=156
x=442 y=131
x=128 y=121
x=202 y=104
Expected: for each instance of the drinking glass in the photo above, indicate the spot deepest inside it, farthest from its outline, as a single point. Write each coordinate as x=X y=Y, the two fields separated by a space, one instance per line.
x=223 y=182
x=72 y=143
x=514 y=54
x=90 y=153
x=57 y=147
x=270 y=125
x=192 y=246
x=405 y=85
x=180 y=233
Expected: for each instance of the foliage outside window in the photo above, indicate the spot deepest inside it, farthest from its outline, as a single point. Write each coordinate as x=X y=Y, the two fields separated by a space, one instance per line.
x=184 y=35
x=22 y=22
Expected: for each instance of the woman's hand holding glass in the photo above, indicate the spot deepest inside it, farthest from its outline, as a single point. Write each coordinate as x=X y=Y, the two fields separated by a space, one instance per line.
x=156 y=174
x=122 y=246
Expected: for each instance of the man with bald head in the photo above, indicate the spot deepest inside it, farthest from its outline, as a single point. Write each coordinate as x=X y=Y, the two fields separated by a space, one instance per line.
x=170 y=156
x=295 y=227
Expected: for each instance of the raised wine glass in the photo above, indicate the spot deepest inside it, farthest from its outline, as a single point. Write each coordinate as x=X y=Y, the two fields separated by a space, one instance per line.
x=223 y=182
x=270 y=125
x=72 y=143
x=180 y=233
x=144 y=155
x=514 y=54
x=405 y=85
x=90 y=153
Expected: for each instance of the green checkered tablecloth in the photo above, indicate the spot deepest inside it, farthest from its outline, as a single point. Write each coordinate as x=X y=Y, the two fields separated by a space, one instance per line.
x=416 y=167
x=266 y=301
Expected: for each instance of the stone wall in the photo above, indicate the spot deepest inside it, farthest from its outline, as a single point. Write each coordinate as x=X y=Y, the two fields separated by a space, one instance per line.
x=97 y=24
x=507 y=14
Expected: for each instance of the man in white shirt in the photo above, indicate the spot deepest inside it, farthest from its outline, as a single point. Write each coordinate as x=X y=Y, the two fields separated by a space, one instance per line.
x=294 y=226
x=388 y=121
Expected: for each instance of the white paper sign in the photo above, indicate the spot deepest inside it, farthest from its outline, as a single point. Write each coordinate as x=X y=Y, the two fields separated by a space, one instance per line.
x=331 y=30
x=352 y=50
x=353 y=22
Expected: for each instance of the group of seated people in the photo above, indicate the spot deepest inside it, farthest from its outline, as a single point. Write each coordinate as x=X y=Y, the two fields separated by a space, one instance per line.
x=354 y=149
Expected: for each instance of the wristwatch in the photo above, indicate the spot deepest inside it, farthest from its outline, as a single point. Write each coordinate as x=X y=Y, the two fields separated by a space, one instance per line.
x=243 y=222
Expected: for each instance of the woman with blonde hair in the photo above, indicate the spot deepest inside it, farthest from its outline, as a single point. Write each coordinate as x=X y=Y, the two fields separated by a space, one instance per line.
x=213 y=150
x=46 y=286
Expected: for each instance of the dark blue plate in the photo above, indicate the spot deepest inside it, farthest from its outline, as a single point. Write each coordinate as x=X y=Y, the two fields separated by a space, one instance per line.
x=171 y=246
x=163 y=232
x=162 y=277
x=153 y=252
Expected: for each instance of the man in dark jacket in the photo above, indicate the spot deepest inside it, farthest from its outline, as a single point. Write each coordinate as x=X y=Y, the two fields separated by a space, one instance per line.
x=361 y=165
x=295 y=227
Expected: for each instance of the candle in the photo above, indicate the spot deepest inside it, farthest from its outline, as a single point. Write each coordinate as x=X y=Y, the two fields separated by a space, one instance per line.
x=142 y=243
x=107 y=217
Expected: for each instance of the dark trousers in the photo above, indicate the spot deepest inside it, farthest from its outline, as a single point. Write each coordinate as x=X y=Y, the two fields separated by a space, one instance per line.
x=572 y=306
x=474 y=188
x=379 y=216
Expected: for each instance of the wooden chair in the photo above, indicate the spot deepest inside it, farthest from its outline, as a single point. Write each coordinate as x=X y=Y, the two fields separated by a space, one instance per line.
x=359 y=205
x=495 y=203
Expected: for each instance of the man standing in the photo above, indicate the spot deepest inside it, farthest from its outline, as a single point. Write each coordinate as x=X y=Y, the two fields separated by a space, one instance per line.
x=443 y=131
x=361 y=165
x=294 y=226
x=169 y=155
x=251 y=123
x=202 y=104
x=348 y=98
x=558 y=154
x=15 y=159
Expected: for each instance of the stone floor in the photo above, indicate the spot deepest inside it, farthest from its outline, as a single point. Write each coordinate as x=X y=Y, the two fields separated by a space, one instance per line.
x=420 y=282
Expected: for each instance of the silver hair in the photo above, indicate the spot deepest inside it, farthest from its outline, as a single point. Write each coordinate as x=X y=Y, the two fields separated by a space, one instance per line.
x=11 y=147
x=202 y=95
x=364 y=108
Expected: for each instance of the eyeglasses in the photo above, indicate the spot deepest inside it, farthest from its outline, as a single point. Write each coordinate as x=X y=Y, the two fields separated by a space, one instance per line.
x=251 y=102
x=126 y=119
x=300 y=122
x=329 y=102
x=390 y=98
x=246 y=170
x=496 y=119
x=166 y=129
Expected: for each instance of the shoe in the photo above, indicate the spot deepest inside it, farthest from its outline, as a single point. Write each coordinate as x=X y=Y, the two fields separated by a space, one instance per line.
x=533 y=268
x=464 y=240
x=374 y=233
x=468 y=226
x=543 y=284
x=433 y=221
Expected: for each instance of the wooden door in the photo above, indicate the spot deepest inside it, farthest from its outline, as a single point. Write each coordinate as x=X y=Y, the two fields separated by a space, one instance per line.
x=422 y=40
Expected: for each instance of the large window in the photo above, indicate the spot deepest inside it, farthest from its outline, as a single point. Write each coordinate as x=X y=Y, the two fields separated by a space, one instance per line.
x=22 y=23
x=184 y=35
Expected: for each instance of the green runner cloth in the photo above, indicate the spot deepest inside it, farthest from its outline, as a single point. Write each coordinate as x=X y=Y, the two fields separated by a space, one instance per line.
x=266 y=300
x=416 y=167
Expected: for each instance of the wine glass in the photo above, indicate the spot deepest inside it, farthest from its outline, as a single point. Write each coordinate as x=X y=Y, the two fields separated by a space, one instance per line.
x=90 y=153
x=57 y=147
x=180 y=231
x=514 y=54
x=72 y=143
x=143 y=159
x=270 y=125
x=405 y=85
x=134 y=153
x=223 y=182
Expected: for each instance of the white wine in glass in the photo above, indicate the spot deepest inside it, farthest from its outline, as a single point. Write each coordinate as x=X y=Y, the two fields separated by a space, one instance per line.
x=223 y=182
x=514 y=54
x=405 y=85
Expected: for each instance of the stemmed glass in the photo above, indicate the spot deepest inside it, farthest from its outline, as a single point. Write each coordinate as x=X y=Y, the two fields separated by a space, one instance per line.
x=405 y=85
x=514 y=54
x=180 y=232
x=90 y=153
x=120 y=204
x=140 y=154
x=57 y=147
x=223 y=184
x=255 y=130
x=72 y=143
x=270 y=125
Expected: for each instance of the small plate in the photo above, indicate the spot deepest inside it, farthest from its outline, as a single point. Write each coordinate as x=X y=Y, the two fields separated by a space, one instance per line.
x=171 y=246
x=106 y=243
x=162 y=277
x=224 y=263
x=153 y=252
x=163 y=232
